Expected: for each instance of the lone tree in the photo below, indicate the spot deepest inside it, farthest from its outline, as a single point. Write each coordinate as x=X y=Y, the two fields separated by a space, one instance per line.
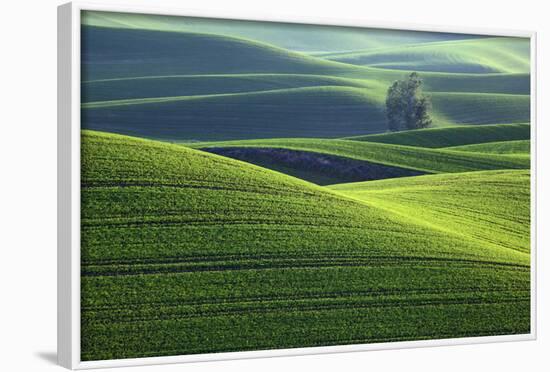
x=406 y=106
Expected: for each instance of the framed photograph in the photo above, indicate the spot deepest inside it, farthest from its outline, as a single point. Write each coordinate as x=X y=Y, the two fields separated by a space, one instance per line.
x=237 y=186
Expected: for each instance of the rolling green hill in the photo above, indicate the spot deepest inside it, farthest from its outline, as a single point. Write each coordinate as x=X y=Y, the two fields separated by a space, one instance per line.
x=301 y=37
x=190 y=85
x=108 y=52
x=493 y=206
x=186 y=252
x=477 y=108
x=505 y=147
x=252 y=227
x=472 y=83
x=245 y=83
x=452 y=136
x=488 y=55
x=415 y=158
x=187 y=85
x=315 y=167
x=301 y=112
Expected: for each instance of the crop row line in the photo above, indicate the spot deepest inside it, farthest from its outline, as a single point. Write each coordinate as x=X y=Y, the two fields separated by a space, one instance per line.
x=302 y=343
x=120 y=270
x=286 y=255
x=209 y=222
x=265 y=189
x=301 y=297
x=308 y=308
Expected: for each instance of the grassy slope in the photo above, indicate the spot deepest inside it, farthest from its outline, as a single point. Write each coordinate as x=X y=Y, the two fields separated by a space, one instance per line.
x=106 y=53
x=325 y=111
x=321 y=169
x=375 y=80
x=522 y=147
x=455 y=136
x=493 y=206
x=188 y=85
x=472 y=83
x=242 y=66
x=212 y=254
x=301 y=112
x=475 y=108
x=489 y=55
x=422 y=159
x=300 y=37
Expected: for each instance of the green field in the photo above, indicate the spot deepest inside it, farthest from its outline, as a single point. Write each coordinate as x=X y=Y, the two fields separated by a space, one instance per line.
x=245 y=82
x=283 y=113
x=240 y=189
x=176 y=53
x=321 y=168
x=164 y=255
x=296 y=112
x=480 y=108
x=210 y=84
x=417 y=158
x=520 y=147
x=490 y=55
x=452 y=136
x=306 y=38
x=432 y=200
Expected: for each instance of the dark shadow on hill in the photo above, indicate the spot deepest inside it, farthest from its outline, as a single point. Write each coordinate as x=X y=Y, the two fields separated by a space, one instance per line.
x=314 y=167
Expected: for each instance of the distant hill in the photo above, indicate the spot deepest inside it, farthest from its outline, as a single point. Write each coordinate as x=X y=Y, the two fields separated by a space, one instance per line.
x=189 y=85
x=480 y=108
x=118 y=53
x=488 y=55
x=452 y=136
x=327 y=112
x=300 y=37
x=415 y=158
x=301 y=112
x=520 y=147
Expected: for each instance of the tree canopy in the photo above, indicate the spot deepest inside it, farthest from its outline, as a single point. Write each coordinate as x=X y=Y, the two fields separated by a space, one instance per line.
x=406 y=106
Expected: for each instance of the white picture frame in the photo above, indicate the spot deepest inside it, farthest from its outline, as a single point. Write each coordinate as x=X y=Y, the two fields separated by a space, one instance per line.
x=69 y=187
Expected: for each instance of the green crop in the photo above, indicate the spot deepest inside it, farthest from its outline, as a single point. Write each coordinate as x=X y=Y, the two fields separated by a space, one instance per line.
x=416 y=158
x=221 y=238
x=452 y=136
x=519 y=147
x=186 y=252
